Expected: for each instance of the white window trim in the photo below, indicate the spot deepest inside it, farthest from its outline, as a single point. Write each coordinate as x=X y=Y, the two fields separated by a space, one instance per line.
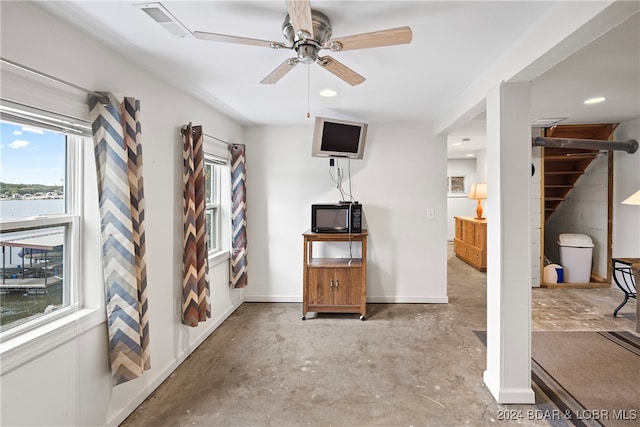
x=25 y=342
x=214 y=153
x=27 y=346
x=215 y=204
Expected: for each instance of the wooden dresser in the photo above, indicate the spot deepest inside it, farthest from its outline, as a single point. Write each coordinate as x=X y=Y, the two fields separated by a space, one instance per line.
x=470 y=242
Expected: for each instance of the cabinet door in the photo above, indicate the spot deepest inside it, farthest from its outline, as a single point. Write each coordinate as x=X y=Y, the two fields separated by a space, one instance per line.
x=347 y=286
x=320 y=286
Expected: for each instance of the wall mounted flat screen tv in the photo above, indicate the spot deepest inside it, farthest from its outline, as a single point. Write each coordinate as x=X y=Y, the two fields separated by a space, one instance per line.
x=338 y=138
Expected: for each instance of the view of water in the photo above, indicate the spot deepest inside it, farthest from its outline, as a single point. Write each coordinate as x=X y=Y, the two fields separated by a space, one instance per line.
x=24 y=294
x=25 y=208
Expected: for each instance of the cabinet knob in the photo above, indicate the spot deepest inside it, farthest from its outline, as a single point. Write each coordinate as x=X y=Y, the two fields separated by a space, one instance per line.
x=331 y=283
x=337 y=283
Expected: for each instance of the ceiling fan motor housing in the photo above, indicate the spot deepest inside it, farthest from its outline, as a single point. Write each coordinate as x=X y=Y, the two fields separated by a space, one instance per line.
x=321 y=28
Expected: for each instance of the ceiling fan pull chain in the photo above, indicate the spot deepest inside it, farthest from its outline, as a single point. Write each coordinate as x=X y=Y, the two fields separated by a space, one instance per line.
x=308 y=89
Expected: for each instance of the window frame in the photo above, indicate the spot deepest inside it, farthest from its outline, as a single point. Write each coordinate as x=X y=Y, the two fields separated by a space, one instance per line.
x=214 y=204
x=71 y=221
x=30 y=340
x=217 y=152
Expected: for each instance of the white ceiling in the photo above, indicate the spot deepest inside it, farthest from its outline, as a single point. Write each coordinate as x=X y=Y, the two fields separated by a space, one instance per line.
x=453 y=41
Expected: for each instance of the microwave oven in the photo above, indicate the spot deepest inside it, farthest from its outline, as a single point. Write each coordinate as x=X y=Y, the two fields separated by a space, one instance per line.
x=336 y=218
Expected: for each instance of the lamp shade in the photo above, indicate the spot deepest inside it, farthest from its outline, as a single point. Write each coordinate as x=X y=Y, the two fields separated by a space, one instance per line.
x=633 y=199
x=478 y=191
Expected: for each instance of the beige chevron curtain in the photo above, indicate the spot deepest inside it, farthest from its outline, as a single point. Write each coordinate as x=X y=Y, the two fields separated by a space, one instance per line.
x=118 y=153
x=195 y=284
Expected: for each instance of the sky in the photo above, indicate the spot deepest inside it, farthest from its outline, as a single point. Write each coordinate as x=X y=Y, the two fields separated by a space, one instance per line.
x=31 y=156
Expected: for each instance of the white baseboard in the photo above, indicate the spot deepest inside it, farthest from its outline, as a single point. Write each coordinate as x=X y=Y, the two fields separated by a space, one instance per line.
x=394 y=299
x=509 y=395
x=399 y=299
x=272 y=298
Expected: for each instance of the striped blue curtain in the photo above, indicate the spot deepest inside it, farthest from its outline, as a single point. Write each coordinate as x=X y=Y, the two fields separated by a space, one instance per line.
x=118 y=153
x=238 y=273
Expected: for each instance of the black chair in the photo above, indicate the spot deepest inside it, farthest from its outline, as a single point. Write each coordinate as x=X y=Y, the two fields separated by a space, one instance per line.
x=626 y=283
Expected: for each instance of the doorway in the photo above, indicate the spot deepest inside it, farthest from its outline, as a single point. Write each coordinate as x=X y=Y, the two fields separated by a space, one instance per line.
x=577 y=198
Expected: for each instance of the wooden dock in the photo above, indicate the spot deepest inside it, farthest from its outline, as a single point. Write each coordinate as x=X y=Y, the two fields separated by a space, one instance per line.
x=34 y=286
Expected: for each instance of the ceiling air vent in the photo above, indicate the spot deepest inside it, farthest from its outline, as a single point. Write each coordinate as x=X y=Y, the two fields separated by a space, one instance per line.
x=162 y=16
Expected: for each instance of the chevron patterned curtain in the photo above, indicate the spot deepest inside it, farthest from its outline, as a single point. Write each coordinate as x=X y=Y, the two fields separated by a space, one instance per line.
x=118 y=153
x=238 y=267
x=195 y=284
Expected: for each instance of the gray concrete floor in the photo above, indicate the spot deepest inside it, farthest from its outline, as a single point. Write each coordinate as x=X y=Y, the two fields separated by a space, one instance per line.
x=406 y=365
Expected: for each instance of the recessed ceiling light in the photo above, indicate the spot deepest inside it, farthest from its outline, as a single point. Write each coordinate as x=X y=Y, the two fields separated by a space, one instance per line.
x=328 y=93
x=469 y=155
x=595 y=100
x=456 y=143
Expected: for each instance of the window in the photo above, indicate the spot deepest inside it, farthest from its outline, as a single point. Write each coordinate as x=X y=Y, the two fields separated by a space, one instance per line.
x=39 y=225
x=218 y=198
x=212 y=186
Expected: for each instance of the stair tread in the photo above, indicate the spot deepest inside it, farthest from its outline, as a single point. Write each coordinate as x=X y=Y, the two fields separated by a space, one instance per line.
x=563 y=172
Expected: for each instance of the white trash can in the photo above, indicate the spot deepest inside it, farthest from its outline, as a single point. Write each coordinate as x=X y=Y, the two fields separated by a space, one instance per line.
x=576 y=254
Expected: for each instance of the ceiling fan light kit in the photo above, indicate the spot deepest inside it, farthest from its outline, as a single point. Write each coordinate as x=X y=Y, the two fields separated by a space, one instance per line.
x=307 y=32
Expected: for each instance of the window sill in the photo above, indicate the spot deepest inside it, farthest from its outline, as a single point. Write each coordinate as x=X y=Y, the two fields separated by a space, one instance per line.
x=25 y=347
x=218 y=258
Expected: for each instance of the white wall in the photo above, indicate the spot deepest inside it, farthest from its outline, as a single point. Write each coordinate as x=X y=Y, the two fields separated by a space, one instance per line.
x=481 y=165
x=461 y=205
x=71 y=384
x=536 y=219
x=626 y=179
x=402 y=174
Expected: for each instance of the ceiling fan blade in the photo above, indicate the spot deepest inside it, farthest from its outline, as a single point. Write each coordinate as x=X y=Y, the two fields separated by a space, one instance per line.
x=390 y=37
x=239 y=40
x=280 y=71
x=340 y=70
x=300 y=15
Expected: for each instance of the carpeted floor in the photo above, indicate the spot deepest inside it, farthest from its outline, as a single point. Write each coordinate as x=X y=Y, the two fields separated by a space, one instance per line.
x=587 y=378
x=584 y=378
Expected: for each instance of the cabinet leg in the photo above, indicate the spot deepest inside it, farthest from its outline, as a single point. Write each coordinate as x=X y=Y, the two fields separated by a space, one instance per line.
x=304 y=317
x=362 y=317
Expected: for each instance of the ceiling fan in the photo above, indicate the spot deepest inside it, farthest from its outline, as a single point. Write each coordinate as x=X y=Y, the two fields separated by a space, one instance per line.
x=307 y=32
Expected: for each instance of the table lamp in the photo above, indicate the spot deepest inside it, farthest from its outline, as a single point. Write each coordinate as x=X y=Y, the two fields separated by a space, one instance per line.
x=633 y=199
x=478 y=192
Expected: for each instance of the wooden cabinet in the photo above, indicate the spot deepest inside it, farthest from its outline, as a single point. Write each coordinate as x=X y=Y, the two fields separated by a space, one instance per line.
x=470 y=242
x=334 y=285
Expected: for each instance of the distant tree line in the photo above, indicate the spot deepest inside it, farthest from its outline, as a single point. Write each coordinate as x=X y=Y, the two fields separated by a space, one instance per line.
x=11 y=189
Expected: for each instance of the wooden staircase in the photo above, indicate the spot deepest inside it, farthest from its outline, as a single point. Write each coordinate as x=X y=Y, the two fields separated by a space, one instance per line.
x=563 y=167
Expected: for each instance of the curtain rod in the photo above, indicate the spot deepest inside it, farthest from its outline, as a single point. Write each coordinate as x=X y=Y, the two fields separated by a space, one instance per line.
x=104 y=99
x=184 y=128
x=218 y=139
